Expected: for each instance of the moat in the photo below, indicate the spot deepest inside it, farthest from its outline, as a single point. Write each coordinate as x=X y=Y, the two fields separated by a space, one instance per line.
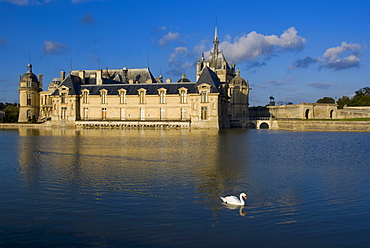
x=161 y=188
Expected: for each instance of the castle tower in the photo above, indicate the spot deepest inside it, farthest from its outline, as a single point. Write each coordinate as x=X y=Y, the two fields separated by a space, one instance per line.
x=216 y=62
x=29 y=98
x=238 y=92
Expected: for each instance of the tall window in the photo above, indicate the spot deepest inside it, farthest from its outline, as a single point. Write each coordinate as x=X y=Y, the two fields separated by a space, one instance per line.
x=86 y=113
x=104 y=113
x=122 y=96
x=182 y=96
x=29 y=85
x=123 y=113
x=203 y=113
x=204 y=96
x=63 y=97
x=64 y=113
x=161 y=113
x=142 y=96
x=103 y=96
x=142 y=114
x=162 y=96
x=29 y=99
x=85 y=97
x=183 y=113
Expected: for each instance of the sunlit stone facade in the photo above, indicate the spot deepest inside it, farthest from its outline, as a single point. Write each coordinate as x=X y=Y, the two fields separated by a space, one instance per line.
x=122 y=97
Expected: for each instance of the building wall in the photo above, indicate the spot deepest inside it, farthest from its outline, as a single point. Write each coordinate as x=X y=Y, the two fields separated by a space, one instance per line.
x=304 y=111
x=29 y=100
x=354 y=112
x=152 y=109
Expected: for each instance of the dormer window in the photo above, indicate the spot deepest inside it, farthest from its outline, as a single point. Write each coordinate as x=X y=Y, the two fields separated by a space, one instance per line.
x=103 y=96
x=183 y=92
x=122 y=96
x=162 y=95
x=63 y=94
x=204 y=90
x=85 y=96
x=142 y=93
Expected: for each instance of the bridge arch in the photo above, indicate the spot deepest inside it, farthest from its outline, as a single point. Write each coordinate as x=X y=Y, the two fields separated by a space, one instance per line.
x=251 y=125
x=264 y=125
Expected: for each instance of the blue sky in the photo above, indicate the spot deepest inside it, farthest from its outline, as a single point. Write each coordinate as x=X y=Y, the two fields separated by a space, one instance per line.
x=296 y=50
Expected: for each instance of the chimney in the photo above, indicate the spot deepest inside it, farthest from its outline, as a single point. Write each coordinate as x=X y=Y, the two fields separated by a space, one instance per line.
x=99 y=80
x=40 y=80
x=62 y=75
x=81 y=74
x=168 y=80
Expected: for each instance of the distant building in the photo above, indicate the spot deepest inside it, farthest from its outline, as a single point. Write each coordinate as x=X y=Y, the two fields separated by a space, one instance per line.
x=134 y=97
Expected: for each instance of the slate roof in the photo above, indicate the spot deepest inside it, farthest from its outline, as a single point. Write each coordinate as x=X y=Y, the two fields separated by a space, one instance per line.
x=209 y=77
x=75 y=84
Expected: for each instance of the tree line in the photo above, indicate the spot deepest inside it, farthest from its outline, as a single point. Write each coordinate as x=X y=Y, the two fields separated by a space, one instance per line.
x=360 y=98
x=9 y=112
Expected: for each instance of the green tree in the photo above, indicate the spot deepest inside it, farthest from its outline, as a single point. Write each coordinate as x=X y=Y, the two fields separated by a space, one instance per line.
x=361 y=98
x=344 y=100
x=326 y=100
x=11 y=111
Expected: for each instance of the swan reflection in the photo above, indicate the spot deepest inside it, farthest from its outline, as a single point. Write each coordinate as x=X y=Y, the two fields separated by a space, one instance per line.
x=234 y=207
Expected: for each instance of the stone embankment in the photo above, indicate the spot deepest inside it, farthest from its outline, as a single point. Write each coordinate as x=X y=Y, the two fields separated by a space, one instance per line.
x=291 y=125
x=322 y=125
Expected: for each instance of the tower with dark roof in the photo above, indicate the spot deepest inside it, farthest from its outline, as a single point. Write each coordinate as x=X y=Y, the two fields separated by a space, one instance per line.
x=29 y=97
x=216 y=62
x=238 y=93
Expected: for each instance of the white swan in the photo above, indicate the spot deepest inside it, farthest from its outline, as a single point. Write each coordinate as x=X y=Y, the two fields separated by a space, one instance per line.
x=234 y=200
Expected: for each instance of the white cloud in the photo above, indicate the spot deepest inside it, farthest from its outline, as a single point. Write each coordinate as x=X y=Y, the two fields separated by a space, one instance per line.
x=345 y=56
x=342 y=57
x=52 y=47
x=179 y=61
x=170 y=36
x=254 y=45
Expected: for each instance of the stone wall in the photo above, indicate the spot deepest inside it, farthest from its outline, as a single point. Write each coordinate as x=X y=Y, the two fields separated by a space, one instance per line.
x=301 y=125
x=304 y=111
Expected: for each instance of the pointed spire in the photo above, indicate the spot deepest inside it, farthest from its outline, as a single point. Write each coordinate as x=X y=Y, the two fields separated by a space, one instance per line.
x=215 y=40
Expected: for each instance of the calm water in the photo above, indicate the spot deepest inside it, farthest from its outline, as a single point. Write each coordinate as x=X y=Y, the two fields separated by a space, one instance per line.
x=152 y=188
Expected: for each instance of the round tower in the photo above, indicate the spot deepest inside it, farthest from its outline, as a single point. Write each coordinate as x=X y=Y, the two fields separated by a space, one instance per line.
x=29 y=97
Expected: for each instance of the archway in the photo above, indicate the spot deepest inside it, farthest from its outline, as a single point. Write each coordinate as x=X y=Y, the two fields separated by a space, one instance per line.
x=306 y=114
x=251 y=125
x=264 y=125
x=331 y=114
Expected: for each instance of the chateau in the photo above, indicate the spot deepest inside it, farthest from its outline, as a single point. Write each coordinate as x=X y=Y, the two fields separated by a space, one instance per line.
x=135 y=98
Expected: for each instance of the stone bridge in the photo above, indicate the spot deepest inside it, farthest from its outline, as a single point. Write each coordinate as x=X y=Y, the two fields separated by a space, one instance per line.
x=259 y=123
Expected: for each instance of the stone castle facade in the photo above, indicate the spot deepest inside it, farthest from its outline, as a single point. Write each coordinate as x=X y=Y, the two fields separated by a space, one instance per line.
x=128 y=97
